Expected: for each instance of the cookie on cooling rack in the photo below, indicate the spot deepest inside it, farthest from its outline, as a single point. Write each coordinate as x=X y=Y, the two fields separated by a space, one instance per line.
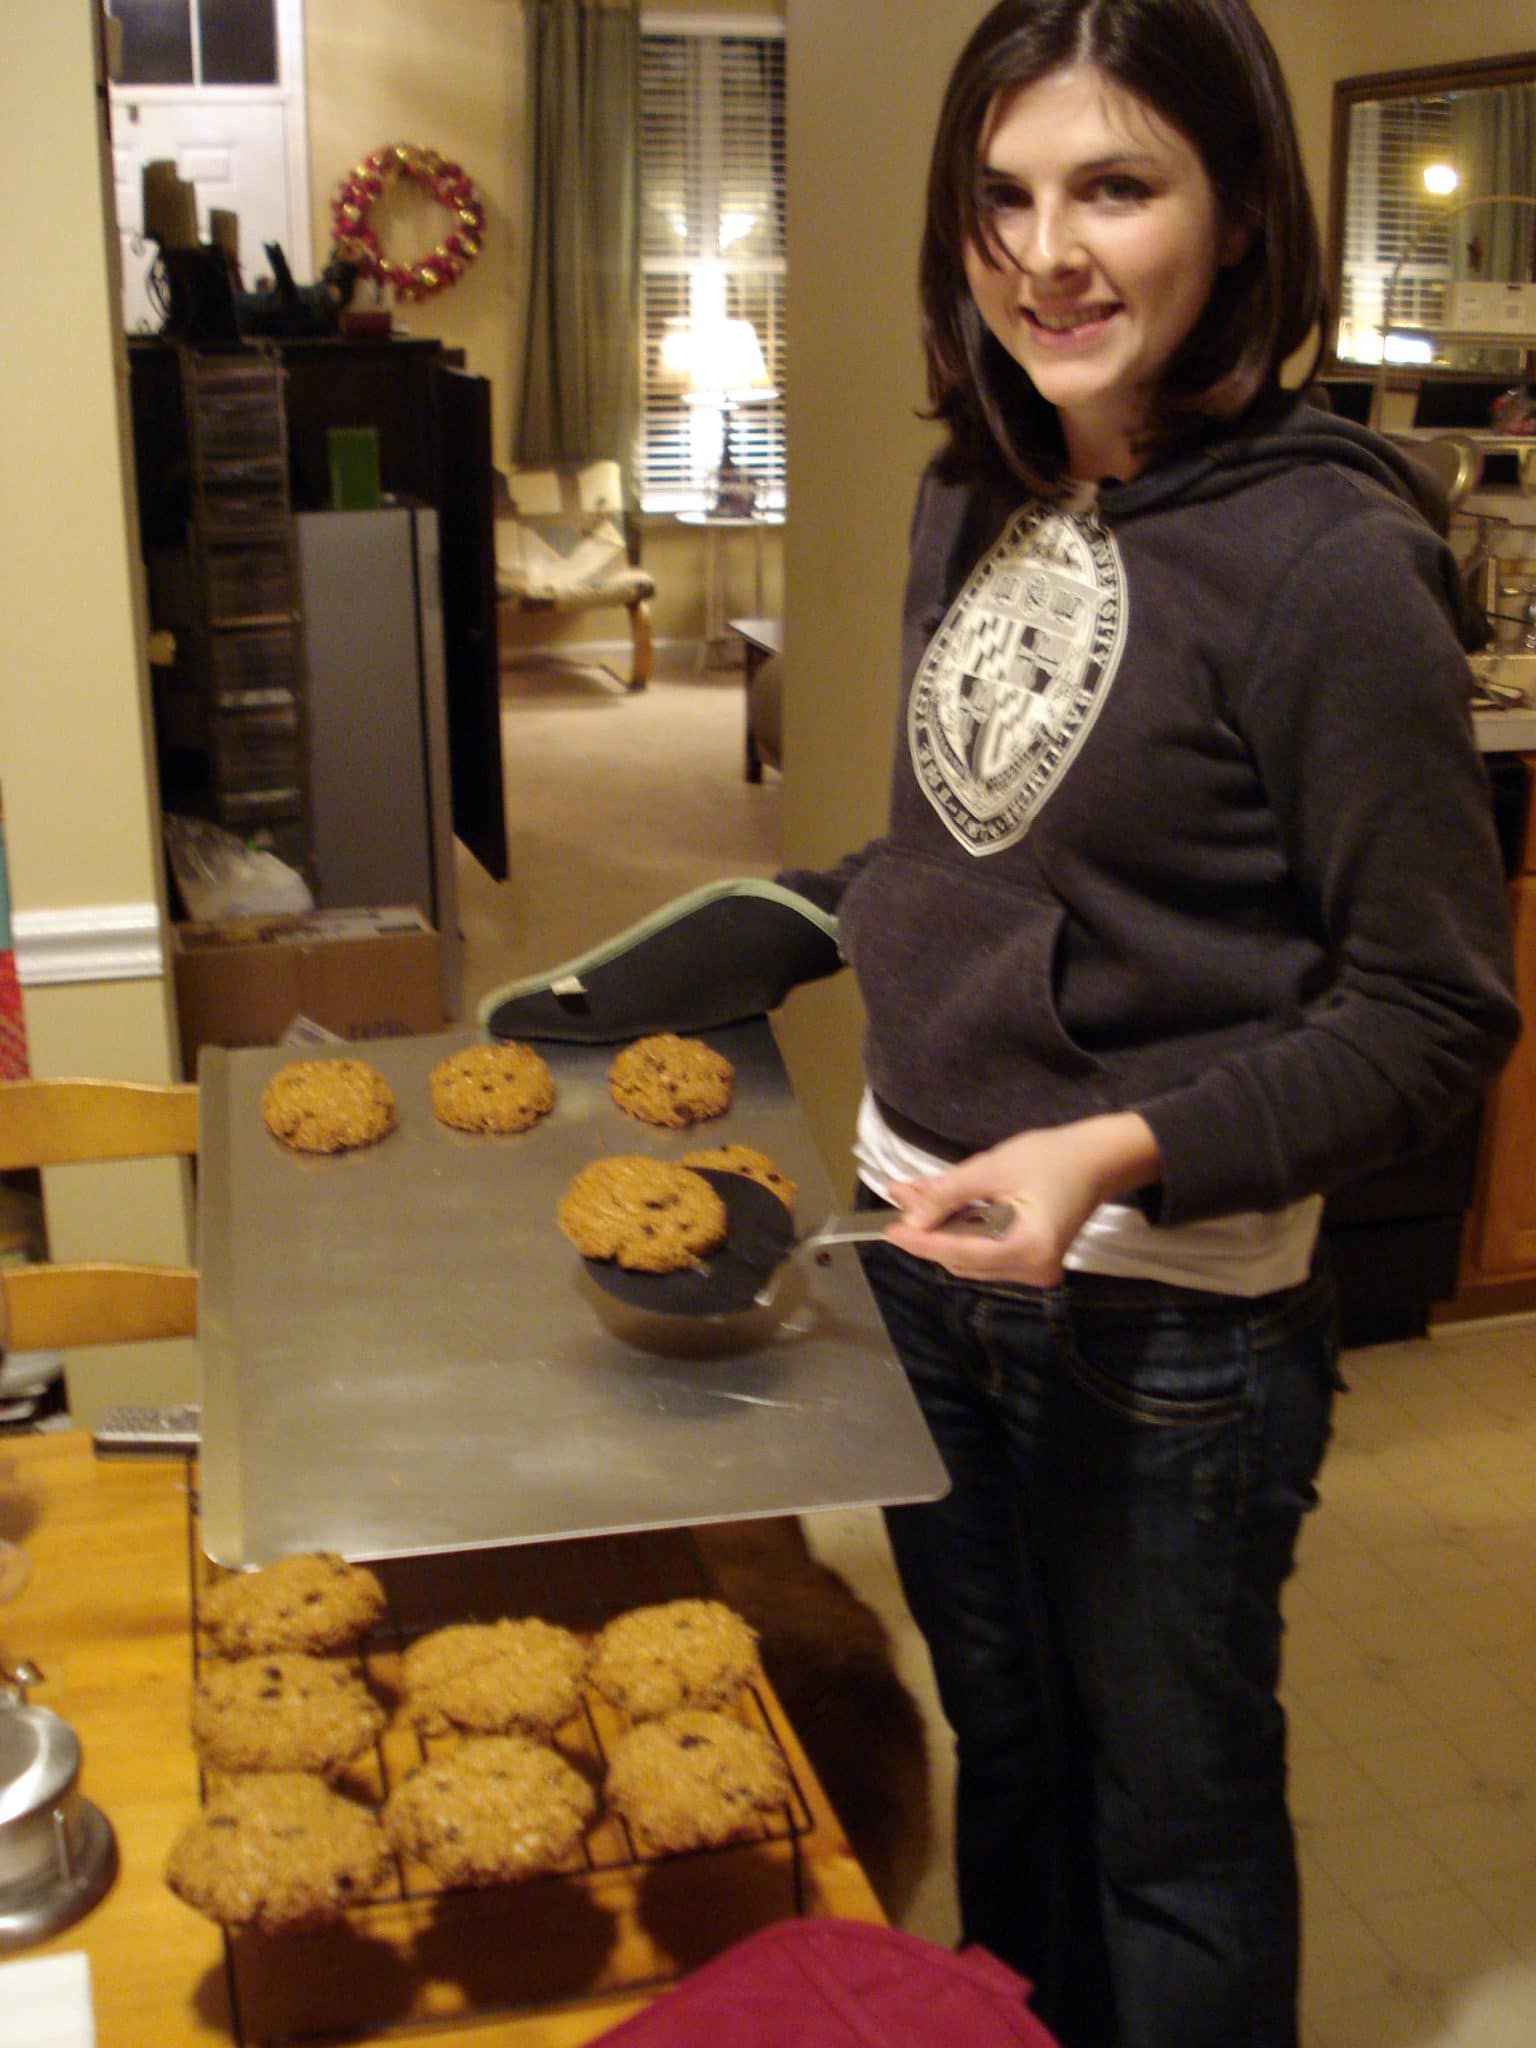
x=747 y=1160
x=491 y=1810
x=649 y=1214
x=328 y=1105
x=491 y=1677
x=284 y=1712
x=678 y=1653
x=695 y=1780
x=503 y=1087
x=672 y=1081
x=277 y=1851
x=313 y=1600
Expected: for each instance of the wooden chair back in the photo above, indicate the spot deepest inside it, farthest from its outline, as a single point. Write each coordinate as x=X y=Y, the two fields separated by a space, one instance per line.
x=63 y=1305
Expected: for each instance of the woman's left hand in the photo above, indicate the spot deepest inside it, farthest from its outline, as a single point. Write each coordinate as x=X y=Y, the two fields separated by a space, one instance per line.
x=1054 y=1178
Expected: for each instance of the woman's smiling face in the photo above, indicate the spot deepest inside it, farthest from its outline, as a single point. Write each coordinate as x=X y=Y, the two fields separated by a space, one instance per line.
x=1106 y=237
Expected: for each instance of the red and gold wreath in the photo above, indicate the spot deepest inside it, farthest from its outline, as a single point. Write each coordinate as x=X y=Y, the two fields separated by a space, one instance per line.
x=357 y=242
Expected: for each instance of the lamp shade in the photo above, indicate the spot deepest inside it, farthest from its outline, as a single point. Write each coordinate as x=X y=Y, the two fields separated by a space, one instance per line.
x=717 y=359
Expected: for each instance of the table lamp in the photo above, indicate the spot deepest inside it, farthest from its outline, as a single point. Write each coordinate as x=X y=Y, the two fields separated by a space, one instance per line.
x=721 y=364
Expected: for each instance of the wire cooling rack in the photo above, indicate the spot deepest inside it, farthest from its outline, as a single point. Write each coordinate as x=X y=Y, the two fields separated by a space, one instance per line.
x=616 y=1917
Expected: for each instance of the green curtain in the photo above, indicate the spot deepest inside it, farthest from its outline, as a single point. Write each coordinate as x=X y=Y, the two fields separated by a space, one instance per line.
x=580 y=390
x=1493 y=144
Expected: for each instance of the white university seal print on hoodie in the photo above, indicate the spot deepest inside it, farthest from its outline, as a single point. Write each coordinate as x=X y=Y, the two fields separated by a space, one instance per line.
x=1014 y=678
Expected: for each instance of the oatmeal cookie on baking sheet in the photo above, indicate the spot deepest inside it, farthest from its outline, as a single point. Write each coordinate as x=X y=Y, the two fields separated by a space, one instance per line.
x=745 y=1159
x=649 y=1214
x=672 y=1081
x=503 y=1087
x=328 y=1105
x=284 y=1712
x=490 y=1810
x=678 y=1653
x=491 y=1677
x=313 y=1600
x=695 y=1780
x=277 y=1851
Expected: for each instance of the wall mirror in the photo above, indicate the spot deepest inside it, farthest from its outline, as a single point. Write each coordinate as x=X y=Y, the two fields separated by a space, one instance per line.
x=1432 y=218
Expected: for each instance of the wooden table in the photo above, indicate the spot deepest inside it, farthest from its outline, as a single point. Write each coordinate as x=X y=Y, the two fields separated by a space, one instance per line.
x=106 y=1614
x=712 y=526
x=759 y=639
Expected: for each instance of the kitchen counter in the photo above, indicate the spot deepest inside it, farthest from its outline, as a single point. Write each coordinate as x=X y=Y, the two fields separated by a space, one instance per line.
x=1512 y=728
x=107 y=1616
x=1506 y=732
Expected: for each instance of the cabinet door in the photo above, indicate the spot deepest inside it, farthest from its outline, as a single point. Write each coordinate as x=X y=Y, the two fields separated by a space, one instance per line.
x=369 y=786
x=1504 y=1238
x=466 y=518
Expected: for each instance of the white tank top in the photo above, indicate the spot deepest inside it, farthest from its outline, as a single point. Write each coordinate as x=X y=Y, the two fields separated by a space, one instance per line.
x=1246 y=1254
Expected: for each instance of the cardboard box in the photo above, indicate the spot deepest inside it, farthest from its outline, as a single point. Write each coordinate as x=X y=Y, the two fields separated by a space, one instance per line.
x=359 y=973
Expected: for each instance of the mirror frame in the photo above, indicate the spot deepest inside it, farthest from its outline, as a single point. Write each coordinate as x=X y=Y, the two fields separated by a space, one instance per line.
x=1519 y=68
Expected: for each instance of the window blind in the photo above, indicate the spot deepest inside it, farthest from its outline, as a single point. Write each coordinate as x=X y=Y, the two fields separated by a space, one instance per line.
x=1390 y=142
x=712 y=247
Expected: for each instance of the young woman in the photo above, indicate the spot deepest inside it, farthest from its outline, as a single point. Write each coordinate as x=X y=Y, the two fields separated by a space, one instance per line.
x=1189 y=911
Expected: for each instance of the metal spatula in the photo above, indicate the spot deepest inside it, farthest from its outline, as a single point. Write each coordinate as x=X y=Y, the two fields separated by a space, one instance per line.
x=761 y=1251
x=864 y=1226
x=868 y=1226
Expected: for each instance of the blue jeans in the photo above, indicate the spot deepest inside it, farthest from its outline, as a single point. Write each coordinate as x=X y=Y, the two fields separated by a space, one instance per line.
x=1100 y=1593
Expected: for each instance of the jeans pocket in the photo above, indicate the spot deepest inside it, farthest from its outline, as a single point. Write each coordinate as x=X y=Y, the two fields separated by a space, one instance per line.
x=1162 y=1364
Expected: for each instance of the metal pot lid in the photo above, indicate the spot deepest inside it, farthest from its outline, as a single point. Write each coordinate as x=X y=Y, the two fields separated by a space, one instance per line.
x=39 y=1760
x=31 y=1912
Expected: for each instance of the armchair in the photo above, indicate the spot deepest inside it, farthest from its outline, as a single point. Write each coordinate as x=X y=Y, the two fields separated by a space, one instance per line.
x=564 y=544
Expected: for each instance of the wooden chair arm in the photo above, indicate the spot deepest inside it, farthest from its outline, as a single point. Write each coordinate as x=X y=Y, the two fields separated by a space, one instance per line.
x=57 y=1308
x=58 y=1122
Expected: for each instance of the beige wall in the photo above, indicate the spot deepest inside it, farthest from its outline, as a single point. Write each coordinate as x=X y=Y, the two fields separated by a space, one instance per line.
x=1398 y=35
x=858 y=140
x=73 y=714
x=82 y=822
x=450 y=77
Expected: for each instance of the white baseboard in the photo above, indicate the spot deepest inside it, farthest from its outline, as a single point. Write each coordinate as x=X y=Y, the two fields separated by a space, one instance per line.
x=95 y=942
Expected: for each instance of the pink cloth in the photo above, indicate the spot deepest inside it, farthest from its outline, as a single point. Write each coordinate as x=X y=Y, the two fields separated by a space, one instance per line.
x=839 y=1984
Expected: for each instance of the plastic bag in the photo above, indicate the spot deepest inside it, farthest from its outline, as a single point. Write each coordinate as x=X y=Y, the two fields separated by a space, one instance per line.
x=220 y=876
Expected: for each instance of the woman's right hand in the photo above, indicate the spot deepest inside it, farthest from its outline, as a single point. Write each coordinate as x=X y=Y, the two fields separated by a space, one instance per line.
x=1054 y=1178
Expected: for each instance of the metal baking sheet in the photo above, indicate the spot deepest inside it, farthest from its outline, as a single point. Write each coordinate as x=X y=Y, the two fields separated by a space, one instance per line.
x=402 y=1354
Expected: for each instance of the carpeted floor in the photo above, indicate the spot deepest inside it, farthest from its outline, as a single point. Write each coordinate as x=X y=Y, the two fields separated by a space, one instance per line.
x=616 y=802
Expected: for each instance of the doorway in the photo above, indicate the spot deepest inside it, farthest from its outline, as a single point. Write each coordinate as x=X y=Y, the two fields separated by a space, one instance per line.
x=217 y=87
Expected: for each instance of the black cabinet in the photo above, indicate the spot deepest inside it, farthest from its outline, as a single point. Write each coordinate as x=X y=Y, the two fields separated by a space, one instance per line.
x=433 y=423
x=1394 y=1239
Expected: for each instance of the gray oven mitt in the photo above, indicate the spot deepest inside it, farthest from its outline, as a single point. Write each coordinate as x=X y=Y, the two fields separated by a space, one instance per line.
x=717 y=956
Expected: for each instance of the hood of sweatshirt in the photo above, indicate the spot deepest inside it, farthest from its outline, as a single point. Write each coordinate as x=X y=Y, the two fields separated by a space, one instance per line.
x=1280 y=436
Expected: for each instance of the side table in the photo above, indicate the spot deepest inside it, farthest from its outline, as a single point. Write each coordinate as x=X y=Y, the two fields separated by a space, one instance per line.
x=714 y=566
x=759 y=638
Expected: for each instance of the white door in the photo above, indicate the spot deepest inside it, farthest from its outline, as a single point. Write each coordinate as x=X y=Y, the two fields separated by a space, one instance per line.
x=236 y=156
x=244 y=148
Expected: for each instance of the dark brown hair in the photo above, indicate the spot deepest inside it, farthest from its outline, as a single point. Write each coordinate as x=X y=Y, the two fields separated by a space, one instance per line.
x=1208 y=69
